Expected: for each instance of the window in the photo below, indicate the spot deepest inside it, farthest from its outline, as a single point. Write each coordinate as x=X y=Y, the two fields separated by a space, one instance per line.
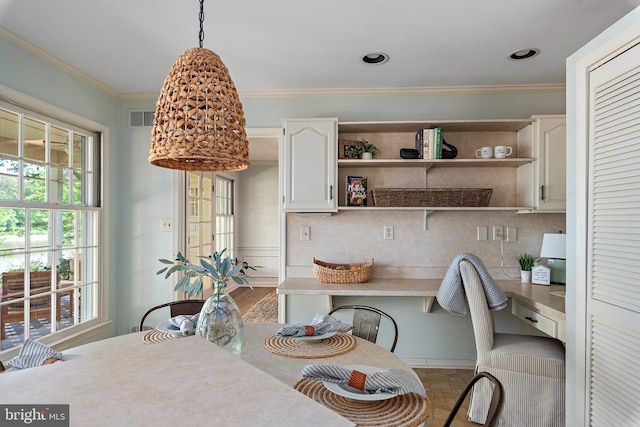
x=49 y=226
x=225 y=220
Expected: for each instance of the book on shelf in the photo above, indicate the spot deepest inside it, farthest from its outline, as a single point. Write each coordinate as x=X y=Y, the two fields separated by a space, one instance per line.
x=436 y=152
x=356 y=194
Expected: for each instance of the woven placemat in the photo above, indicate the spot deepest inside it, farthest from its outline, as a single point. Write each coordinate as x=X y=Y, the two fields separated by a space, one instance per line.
x=154 y=336
x=336 y=345
x=406 y=410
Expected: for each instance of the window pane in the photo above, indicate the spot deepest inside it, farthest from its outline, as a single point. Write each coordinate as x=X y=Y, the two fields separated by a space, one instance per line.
x=59 y=147
x=9 y=179
x=12 y=230
x=79 y=149
x=39 y=229
x=78 y=181
x=9 y=125
x=34 y=140
x=68 y=229
x=34 y=182
x=58 y=184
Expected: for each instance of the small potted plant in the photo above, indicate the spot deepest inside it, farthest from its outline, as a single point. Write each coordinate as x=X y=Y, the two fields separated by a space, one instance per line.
x=367 y=151
x=526 y=261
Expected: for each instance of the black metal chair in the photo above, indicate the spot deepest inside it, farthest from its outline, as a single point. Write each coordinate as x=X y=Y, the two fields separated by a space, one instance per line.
x=495 y=406
x=185 y=306
x=366 y=322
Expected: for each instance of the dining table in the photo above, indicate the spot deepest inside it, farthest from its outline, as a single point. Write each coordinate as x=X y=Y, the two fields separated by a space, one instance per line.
x=157 y=378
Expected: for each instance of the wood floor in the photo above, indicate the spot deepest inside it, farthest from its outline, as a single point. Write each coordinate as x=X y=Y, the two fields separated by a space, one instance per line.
x=246 y=297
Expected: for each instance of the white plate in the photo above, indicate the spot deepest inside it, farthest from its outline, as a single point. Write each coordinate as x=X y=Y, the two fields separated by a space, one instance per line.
x=166 y=326
x=316 y=338
x=355 y=394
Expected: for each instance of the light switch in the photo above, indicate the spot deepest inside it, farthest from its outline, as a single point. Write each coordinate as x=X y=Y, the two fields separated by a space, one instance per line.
x=512 y=234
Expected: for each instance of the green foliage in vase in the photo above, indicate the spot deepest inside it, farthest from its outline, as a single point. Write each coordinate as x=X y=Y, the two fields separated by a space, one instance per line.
x=220 y=271
x=526 y=261
x=367 y=147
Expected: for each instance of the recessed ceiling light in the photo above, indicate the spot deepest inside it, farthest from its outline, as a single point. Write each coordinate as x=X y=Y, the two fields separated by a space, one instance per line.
x=375 y=58
x=521 y=54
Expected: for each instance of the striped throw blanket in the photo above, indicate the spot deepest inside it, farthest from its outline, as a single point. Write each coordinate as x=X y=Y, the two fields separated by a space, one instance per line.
x=320 y=324
x=391 y=380
x=451 y=294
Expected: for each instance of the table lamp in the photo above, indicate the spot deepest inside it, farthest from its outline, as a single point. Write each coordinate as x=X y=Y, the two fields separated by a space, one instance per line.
x=554 y=248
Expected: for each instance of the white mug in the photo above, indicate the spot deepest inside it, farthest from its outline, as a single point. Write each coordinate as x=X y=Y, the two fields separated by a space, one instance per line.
x=484 y=153
x=502 y=151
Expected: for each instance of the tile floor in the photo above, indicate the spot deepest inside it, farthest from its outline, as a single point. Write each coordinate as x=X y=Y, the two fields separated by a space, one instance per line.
x=443 y=387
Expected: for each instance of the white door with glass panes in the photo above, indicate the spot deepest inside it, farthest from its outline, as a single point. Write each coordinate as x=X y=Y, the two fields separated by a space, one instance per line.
x=210 y=216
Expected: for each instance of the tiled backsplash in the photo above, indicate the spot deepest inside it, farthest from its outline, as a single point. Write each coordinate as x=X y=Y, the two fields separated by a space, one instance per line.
x=353 y=236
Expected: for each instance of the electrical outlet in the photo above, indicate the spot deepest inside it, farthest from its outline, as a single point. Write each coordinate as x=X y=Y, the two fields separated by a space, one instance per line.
x=512 y=234
x=388 y=232
x=305 y=233
x=498 y=232
x=482 y=233
x=165 y=224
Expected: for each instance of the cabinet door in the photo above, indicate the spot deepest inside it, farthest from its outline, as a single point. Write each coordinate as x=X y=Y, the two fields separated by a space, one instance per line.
x=310 y=165
x=552 y=164
x=542 y=184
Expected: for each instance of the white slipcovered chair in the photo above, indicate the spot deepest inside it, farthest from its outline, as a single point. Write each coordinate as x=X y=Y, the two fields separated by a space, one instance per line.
x=530 y=368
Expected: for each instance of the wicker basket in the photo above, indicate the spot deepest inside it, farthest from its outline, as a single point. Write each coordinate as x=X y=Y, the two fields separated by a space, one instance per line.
x=431 y=197
x=328 y=273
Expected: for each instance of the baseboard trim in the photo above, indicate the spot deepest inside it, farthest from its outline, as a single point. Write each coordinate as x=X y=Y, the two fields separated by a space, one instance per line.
x=441 y=363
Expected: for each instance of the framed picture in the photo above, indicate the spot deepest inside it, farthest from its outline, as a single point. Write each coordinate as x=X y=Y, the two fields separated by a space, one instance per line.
x=348 y=149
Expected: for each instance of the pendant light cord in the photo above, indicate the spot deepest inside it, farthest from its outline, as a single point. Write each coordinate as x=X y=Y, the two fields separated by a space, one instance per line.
x=201 y=17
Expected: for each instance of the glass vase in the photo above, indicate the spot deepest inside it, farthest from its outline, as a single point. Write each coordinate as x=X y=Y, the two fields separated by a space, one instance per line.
x=220 y=321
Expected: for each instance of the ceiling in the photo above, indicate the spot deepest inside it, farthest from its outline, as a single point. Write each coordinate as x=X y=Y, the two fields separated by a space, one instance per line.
x=293 y=45
x=288 y=46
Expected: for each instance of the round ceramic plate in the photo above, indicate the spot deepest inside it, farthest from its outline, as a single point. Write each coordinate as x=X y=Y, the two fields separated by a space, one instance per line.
x=355 y=394
x=166 y=326
x=316 y=338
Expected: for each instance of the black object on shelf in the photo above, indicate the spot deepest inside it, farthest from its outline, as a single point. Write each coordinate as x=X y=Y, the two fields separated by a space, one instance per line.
x=409 y=153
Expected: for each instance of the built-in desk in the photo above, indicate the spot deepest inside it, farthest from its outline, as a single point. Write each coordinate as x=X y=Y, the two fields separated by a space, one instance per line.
x=534 y=304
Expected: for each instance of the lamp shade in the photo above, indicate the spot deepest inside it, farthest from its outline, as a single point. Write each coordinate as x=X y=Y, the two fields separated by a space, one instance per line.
x=199 y=122
x=554 y=246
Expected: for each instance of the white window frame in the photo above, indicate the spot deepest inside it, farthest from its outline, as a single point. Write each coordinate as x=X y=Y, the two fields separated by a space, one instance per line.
x=76 y=334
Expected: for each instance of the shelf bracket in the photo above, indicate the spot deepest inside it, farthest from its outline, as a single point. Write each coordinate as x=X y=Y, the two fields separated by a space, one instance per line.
x=426 y=173
x=426 y=219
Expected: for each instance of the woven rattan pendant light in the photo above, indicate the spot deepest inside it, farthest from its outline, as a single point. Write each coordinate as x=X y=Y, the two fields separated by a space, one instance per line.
x=199 y=122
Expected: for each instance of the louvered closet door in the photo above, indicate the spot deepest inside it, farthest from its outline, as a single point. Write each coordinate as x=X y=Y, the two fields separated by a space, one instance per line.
x=613 y=243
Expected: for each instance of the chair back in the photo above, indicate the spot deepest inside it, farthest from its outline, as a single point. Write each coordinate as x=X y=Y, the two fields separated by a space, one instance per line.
x=366 y=322
x=177 y=308
x=495 y=406
x=481 y=316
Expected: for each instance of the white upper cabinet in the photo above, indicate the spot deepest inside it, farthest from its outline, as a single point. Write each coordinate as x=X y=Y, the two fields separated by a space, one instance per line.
x=543 y=183
x=309 y=161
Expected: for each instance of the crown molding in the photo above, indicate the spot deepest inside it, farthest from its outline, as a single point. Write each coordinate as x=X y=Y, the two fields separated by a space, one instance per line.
x=54 y=60
x=410 y=91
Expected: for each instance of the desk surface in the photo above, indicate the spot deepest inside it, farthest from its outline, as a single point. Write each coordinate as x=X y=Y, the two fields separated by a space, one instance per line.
x=537 y=296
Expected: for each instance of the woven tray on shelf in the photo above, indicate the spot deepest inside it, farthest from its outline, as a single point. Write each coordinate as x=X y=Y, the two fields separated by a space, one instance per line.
x=431 y=197
x=327 y=272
